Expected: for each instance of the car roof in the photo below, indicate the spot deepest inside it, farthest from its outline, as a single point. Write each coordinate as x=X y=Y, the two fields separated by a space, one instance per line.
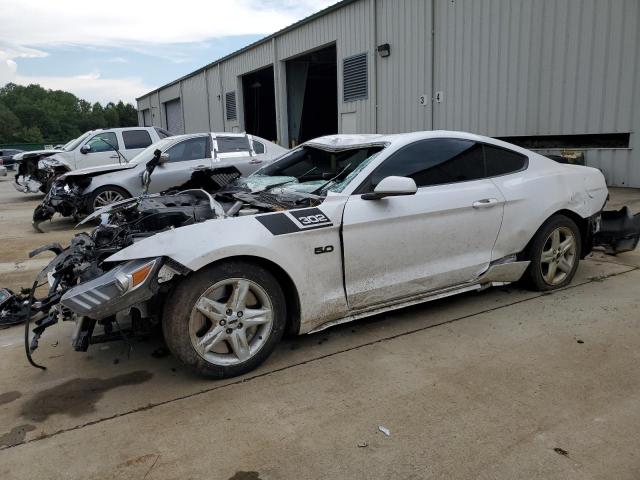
x=346 y=141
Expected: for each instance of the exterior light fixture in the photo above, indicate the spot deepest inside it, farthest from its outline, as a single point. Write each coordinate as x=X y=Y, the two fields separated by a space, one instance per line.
x=384 y=50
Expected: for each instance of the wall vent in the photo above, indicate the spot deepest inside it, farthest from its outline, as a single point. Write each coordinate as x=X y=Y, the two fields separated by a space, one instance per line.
x=230 y=105
x=355 y=78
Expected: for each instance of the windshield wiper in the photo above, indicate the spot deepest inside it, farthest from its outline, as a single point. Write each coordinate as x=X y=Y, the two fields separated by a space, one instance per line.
x=319 y=189
x=117 y=151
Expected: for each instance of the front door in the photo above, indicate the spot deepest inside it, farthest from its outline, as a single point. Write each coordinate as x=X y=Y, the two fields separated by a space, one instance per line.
x=399 y=247
x=98 y=150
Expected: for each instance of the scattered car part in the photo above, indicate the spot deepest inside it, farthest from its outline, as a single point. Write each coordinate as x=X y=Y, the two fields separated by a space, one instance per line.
x=619 y=231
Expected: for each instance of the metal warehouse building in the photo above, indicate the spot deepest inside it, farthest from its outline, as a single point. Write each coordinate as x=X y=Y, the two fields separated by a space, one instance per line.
x=553 y=75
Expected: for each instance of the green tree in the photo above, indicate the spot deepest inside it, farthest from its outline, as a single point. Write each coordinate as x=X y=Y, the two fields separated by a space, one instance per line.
x=9 y=124
x=34 y=114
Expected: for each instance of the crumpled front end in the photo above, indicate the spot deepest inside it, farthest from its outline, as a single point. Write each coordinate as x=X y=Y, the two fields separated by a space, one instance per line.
x=36 y=172
x=65 y=197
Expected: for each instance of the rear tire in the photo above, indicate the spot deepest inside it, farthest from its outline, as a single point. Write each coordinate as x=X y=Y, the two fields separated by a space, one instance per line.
x=104 y=196
x=554 y=253
x=225 y=320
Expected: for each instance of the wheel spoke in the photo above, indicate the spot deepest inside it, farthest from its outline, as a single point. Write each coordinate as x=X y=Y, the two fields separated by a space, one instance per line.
x=547 y=256
x=564 y=265
x=566 y=245
x=256 y=316
x=238 y=299
x=211 y=309
x=212 y=338
x=551 y=272
x=555 y=239
x=239 y=344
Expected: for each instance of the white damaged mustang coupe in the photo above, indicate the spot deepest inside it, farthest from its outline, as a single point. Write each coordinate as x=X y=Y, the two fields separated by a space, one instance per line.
x=340 y=228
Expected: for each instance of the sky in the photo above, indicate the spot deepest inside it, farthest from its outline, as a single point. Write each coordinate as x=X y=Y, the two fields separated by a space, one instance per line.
x=121 y=49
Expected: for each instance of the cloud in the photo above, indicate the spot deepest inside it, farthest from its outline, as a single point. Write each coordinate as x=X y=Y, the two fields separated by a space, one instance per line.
x=29 y=26
x=126 y=22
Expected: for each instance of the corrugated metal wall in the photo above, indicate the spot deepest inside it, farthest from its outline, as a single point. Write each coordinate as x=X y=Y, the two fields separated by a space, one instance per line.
x=503 y=67
x=194 y=92
x=523 y=67
x=404 y=76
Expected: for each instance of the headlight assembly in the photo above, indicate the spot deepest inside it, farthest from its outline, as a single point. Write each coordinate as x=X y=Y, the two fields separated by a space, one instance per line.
x=128 y=281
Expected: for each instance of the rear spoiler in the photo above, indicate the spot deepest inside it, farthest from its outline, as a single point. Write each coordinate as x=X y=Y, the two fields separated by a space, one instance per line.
x=619 y=231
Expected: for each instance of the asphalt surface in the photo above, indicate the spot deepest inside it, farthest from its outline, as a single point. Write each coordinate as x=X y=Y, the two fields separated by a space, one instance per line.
x=504 y=383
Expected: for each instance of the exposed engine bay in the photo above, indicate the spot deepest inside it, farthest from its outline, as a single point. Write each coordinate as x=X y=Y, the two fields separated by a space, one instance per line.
x=209 y=194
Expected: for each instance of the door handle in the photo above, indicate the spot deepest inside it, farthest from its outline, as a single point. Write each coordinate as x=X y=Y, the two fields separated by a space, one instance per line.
x=199 y=167
x=114 y=156
x=255 y=161
x=485 y=203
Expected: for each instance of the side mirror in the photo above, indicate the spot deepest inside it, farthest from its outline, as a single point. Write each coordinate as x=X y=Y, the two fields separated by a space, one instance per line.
x=392 y=187
x=164 y=158
x=85 y=149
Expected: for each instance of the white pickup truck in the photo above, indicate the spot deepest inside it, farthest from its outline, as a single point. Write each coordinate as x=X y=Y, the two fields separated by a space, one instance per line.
x=37 y=169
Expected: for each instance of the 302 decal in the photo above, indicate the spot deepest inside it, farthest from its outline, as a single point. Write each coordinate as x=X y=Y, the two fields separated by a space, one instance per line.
x=313 y=219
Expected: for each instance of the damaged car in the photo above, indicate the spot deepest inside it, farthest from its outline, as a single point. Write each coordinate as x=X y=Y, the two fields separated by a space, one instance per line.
x=340 y=228
x=38 y=169
x=80 y=192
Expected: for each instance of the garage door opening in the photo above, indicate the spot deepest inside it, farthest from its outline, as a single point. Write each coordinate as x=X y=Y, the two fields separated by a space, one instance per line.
x=260 y=104
x=312 y=95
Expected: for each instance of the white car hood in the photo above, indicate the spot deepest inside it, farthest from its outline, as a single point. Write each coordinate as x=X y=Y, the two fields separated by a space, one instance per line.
x=113 y=167
x=20 y=156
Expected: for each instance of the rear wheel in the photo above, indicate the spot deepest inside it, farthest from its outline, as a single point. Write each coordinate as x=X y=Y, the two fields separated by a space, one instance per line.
x=104 y=196
x=226 y=320
x=555 y=254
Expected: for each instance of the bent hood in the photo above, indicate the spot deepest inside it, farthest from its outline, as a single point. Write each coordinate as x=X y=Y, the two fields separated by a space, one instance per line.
x=35 y=153
x=93 y=171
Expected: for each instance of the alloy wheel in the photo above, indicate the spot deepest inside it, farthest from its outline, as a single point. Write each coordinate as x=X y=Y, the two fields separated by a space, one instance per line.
x=558 y=256
x=107 y=198
x=231 y=321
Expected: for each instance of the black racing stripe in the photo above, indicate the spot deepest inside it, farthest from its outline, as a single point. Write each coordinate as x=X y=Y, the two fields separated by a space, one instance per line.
x=278 y=223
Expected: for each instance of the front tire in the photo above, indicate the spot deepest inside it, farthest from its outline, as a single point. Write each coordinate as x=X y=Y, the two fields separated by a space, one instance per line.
x=225 y=320
x=554 y=253
x=104 y=196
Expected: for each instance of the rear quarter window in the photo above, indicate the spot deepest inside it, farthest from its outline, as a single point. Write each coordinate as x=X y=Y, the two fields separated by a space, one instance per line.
x=136 y=139
x=500 y=161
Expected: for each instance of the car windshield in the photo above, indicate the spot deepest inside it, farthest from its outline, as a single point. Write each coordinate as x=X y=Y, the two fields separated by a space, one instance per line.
x=312 y=169
x=75 y=142
x=147 y=154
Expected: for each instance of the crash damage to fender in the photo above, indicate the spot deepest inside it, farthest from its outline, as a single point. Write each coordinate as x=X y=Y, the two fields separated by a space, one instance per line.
x=111 y=299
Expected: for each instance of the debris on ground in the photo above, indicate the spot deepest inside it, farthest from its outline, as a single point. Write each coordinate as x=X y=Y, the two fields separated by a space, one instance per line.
x=384 y=430
x=363 y=445
x=580 y=341
x=561 y=451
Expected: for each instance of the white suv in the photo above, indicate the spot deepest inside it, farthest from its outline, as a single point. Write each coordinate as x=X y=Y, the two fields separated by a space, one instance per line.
x=37 y=169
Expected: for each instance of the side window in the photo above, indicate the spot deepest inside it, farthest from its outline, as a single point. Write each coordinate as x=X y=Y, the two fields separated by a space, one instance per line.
x=136 y=139
x=232 y=144
x=432 y=162
x=97 y=143
x=192 y=149
x=501 y=161
x=258 y=147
